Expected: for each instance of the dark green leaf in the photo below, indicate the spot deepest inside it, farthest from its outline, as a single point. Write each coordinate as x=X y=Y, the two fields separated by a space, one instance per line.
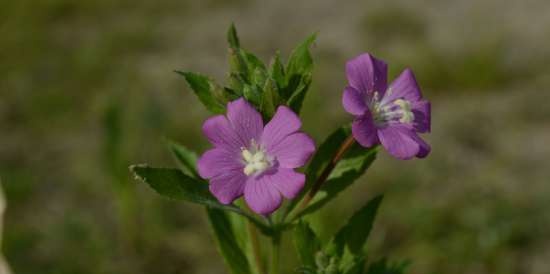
x=174 y=184
x=252 y=94
x=355 y=233
x=230 y=250
x=307 y=244
x=208 y=92
x=186 y=157
x=296 y=100
x=355 y=266
x=354 y=164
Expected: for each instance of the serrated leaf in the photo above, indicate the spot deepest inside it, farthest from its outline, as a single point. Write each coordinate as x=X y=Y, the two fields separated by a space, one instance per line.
x=307 y=243
x=186 y=157
x=208 y=92
x=355 y=233
x=232 y=253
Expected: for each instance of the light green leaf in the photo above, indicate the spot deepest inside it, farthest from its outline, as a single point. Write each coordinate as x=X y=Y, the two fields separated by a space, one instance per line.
x=298 y=74
x=186 y=157
x=307 y=243
x=232 y=37
x=210 y=94
x=232 y=253
x=355 y=233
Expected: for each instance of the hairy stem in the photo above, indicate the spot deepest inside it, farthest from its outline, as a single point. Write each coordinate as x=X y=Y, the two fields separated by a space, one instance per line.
x=253 y=232
x=344 y=147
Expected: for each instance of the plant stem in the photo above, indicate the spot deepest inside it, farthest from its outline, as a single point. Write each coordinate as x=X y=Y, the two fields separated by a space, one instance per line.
x=253 y=232
x=275 y=249
x=344 y=147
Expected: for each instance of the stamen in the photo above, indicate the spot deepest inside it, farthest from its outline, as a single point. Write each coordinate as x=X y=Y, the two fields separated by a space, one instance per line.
x=255 y=159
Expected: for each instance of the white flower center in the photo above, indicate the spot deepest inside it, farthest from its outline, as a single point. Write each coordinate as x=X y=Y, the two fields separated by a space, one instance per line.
x=255 y=159
x=384 y=112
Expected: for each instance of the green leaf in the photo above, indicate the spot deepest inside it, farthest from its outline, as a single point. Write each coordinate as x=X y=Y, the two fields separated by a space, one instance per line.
x=252 y=94
x=355 y=233
x=296 y=100
x=174 y=184
x=300 y=61
x=233 y=255
x=354 y=164
x=355 y=266
x=277 y=71
x=210 y=94
x=307 y=243
x=270 y=99
x=321 y=159
x=383 y=267
x=298 y=74
x=232 y=37
x=186 y=157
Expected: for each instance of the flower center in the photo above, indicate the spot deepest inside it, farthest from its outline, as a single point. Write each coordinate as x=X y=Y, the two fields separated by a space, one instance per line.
x=385 y=112
x=255 y=159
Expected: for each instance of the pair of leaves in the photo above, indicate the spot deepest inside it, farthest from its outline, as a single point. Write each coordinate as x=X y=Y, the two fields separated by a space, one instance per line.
x=346 y=249
x=265 y=88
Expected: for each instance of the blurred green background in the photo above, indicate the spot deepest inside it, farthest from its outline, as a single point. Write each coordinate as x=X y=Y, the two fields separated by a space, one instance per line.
x=87 y=88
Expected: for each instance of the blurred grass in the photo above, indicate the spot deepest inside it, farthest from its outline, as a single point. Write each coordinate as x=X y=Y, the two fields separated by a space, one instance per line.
x=87 y=88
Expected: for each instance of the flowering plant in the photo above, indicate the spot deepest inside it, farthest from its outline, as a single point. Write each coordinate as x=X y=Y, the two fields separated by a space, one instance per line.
x=257 y=147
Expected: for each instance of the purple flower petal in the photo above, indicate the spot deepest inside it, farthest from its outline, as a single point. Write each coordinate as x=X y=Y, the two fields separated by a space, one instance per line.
x=287 y=181
x=424 y=147
x=399 y=141
x=246 y=120
x=283 y=123
x=354 y=101
x=221 y=134
x=228 y=186
x=364 y=130
x=261 y=195
x=367 y=74
x=404 y=87
x=422 y=116
x=293 y=150
x=217 y=161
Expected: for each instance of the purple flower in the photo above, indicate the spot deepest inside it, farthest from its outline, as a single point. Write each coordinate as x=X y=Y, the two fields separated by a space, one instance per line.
x=391 y=116
x=254 y=160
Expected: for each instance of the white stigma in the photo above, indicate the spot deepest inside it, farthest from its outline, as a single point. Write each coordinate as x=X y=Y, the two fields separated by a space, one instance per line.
x=255 y=159
x=407 y=116
x=385 y=112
